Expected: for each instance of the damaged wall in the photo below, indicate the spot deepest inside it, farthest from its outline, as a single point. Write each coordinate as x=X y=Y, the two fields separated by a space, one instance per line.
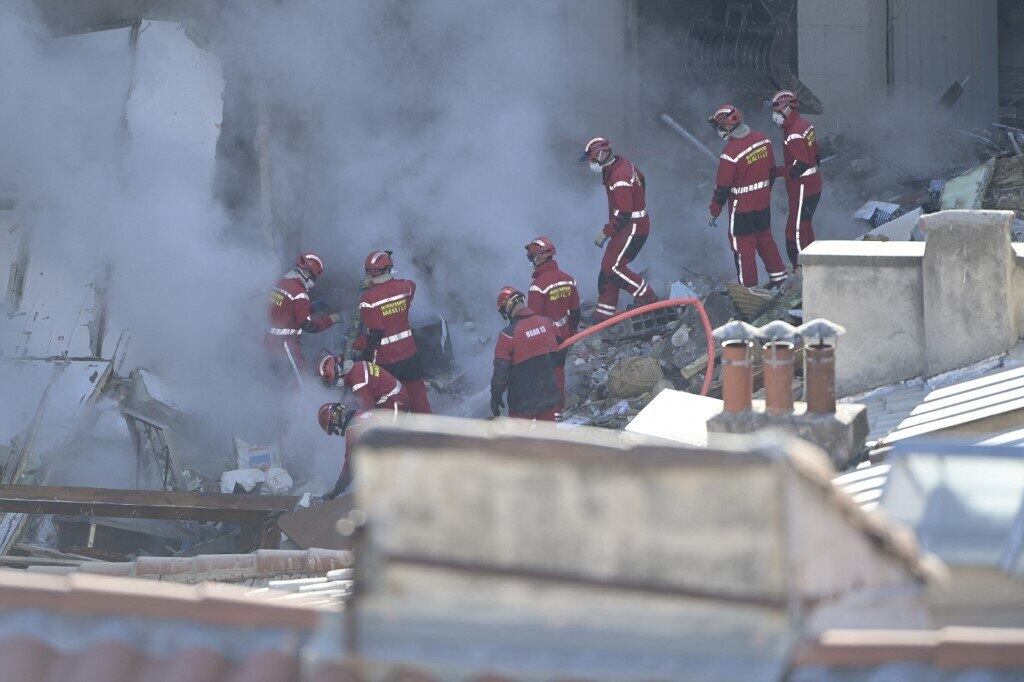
x=855 y=53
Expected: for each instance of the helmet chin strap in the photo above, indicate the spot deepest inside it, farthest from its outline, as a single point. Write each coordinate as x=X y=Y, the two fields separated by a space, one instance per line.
x=306 y=276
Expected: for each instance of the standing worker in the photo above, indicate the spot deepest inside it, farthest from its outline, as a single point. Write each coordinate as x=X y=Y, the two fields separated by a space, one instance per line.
x=746 y=170
x=524 y=361
x=627 y=227
x=387 y=335
x=291 y=314
x=373 y=387
x=800 y=169
x=554 y=295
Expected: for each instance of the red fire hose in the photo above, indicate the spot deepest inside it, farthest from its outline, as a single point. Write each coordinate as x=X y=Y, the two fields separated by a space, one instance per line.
x=658 y=305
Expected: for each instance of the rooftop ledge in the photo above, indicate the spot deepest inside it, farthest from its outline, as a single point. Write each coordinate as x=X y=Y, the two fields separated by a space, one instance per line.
x=863 y=253
x=870 y=253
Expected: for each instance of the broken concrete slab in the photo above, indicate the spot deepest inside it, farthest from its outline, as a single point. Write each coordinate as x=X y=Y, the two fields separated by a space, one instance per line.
x=677 y=416
x=967 y=191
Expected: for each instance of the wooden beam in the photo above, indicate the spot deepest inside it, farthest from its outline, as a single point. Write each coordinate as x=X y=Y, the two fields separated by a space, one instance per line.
x=143 y=504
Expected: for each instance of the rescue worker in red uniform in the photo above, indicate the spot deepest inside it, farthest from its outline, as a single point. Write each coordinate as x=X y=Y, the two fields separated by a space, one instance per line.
x=800 y=159
x=746 y=170
x=524 y=361
x=337 y=420
x=290 y=315
x=387 y=335
x=373 y=386
x=554 y=295
x=627 y=228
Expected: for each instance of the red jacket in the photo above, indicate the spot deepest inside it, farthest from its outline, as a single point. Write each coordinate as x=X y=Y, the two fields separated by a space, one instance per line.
x=373 y=386
x=800 y=154
x=627 y=202
x=746 y=170
x=524 y=363
x=554 y=294
x=290 y=306
x=384 y=311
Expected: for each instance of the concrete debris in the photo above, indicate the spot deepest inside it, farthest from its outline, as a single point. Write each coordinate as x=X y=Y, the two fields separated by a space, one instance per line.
x=862 y=168
x=750 y=302
x=633 y=376
x=969 y=189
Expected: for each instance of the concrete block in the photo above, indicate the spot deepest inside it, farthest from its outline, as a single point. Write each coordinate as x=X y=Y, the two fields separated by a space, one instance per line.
x=840 y=435
x=968 y=277
x=874 y=290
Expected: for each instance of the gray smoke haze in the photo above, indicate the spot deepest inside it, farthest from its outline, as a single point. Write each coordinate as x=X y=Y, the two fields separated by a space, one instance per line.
x=445 y=130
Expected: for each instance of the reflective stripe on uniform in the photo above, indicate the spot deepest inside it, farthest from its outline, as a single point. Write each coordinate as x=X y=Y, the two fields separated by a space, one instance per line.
x=810 y=171
x=735 y=244
x=799 y=215
x=383 y=399
x=382 y=301
x=397 y=337
x=292 y=297
x=618 y=259
x=620 y=183
x=751 y=148
x=285 y=332
x=366 y=378
x=750 y=188
x=564 y=282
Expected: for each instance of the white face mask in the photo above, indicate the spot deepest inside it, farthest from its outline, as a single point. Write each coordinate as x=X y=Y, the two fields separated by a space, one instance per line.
x=778 y=118
x=595 y=166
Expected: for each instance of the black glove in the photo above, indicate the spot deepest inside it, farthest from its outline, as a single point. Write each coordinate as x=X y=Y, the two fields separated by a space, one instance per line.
x=496 y=404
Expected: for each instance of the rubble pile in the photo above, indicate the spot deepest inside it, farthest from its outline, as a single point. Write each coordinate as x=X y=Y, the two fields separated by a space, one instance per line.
x=609 y=379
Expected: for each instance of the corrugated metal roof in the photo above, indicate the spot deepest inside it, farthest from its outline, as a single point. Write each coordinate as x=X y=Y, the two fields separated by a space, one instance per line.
x=923 y=406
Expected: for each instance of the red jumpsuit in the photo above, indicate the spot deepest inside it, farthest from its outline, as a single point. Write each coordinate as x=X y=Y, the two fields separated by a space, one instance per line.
x=376 y=388
x=803 y=181
x=289 y=316
x=387 y=339
x=746 y=170
x=628 y=226
x=554 y=295
x=524 y=365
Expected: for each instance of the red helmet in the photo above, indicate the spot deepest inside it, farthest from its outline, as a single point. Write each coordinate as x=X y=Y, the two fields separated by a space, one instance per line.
x=378 y=262
x=311 y=264
x=594 y=150
x=508 y=298
x=783 y=99
x=329 y=370
x=334 y=418
x=541 y=246
x=726 y=115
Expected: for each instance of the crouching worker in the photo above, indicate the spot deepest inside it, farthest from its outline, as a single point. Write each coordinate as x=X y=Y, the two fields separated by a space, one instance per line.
x=337 y=420
x=524 y=361
x=374 y=387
